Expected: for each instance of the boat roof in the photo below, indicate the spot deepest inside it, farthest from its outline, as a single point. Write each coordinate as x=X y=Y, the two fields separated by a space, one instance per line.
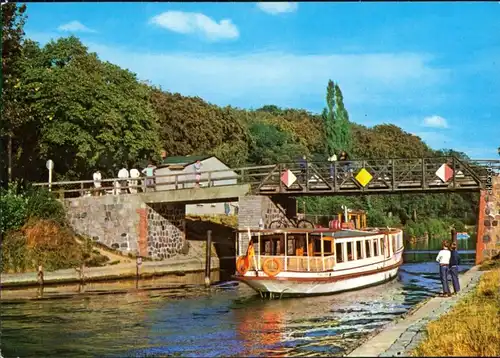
x=318 y=231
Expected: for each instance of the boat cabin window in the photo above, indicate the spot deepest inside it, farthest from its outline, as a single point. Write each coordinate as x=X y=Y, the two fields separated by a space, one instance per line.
x=359 y=252
x=339 y=251
x=367 y=248
x=350 y=250
x=328 y=247
x=376 y=248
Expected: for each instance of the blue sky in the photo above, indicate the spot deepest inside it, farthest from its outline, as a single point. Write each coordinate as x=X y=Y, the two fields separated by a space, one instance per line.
x=431 y=68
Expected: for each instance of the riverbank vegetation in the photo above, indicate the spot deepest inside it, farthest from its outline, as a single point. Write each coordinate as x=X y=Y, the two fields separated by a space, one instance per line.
x=62 y=102
x=35 y=232
x=471 y=328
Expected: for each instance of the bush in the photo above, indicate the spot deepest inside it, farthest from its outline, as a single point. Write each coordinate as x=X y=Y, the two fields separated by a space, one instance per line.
x=13 y=209
x=52 y=245
x=15 y=255
x=19 y=205
x=42 y=204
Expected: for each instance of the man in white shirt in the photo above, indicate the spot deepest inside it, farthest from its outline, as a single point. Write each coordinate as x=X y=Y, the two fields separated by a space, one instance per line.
x=133 y=183
x=123 y=176
x=97 y=182
x=443 y=258
x=332 y=159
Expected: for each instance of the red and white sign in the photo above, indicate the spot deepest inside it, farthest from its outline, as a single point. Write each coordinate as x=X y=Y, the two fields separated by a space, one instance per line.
x=444 y=173
x=288 y=178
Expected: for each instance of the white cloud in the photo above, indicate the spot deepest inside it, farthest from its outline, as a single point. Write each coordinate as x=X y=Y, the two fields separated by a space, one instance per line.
x=196 y=23
x=435 y=121
x=74 y=26
x=275 y=8
x=254 y=79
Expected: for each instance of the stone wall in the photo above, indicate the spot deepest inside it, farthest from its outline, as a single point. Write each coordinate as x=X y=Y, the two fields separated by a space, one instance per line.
x=126 y=223
x=166 y=237
x=254 y=207
x=488 y=230
x=111 y=220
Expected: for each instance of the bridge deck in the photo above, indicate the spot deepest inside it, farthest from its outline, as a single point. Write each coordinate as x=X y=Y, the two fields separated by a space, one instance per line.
x=378 y=176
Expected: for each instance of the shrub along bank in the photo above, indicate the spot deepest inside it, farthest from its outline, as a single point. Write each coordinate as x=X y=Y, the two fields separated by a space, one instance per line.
x=35 y=232
x=471 y=328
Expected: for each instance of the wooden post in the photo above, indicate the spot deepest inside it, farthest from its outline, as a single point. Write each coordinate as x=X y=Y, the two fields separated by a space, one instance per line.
x=138 y=263
x=40 y=280
x=40 y=275
x=208 y=258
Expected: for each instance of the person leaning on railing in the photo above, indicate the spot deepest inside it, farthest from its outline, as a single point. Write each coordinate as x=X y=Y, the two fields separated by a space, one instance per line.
x=149 y=171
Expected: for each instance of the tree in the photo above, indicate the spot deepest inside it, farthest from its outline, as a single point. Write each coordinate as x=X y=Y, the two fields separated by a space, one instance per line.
x=271 y=145
x=13 y=19
x=90 y=114
x=189 y=125
x=336 y=121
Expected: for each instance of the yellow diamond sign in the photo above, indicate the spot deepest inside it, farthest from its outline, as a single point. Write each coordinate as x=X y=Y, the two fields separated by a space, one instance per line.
x=364 y=177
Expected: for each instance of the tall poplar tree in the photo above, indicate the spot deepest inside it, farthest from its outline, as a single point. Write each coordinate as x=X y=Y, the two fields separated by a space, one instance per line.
x=336 y=121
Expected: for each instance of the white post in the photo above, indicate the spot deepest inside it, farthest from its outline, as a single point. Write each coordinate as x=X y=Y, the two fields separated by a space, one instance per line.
x=286 y=249
x=307 y=252
x=322 y=252
x=50 y=179
x=50 y=166
x=258 y=257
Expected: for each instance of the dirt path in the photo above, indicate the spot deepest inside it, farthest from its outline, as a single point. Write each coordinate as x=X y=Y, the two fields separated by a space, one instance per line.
x=111 y=255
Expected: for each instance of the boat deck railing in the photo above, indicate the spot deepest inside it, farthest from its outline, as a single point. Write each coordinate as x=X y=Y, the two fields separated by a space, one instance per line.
x=296 y=263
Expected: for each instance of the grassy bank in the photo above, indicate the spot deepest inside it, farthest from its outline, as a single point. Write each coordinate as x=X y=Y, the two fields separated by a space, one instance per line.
x=471 y=328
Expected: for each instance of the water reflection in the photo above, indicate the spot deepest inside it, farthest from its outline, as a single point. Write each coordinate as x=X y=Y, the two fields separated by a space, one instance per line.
x=228 y=321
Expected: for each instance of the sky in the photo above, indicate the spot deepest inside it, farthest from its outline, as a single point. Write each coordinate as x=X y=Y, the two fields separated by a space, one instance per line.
x=431 y=68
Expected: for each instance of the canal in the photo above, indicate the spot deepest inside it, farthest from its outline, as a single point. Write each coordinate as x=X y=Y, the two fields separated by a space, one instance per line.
x=227 y=320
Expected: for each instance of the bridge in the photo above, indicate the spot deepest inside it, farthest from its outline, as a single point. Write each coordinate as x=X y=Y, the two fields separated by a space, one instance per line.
x=370 y=176
x=151 y=220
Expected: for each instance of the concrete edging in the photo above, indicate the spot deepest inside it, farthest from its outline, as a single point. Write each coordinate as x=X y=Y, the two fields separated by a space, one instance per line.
x=400 y=337
x=107 y=273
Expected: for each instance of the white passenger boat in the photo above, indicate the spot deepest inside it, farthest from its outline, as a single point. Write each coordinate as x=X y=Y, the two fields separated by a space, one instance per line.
x=299 y=262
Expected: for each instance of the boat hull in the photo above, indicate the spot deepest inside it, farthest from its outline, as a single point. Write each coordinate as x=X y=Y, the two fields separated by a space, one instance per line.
x=294 y=286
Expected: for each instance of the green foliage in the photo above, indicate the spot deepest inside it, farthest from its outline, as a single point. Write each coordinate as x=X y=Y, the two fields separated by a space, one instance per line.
x=64 y=103
x=14 y=253
x=336 y=121
x=271 y=144
x=13 y=207
x=18 y=206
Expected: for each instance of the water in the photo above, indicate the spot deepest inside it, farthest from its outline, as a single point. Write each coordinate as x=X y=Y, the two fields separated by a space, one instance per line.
x=225 y=321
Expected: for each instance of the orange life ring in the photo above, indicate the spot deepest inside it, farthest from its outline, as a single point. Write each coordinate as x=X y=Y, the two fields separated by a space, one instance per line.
x=269 y=270
x=242 y=265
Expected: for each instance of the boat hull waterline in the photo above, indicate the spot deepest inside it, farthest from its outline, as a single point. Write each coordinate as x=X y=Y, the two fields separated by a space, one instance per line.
x=291 y=286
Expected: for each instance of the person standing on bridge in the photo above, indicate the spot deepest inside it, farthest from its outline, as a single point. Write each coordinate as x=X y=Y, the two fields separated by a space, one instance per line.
x=303 y=168
x=332 y=159
x=443 y=258
x=149 y=171
x=133 y=183
x=344 y=157
x=454 y=262
x=197 y=171
x=97 y=182
x=123 y=175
